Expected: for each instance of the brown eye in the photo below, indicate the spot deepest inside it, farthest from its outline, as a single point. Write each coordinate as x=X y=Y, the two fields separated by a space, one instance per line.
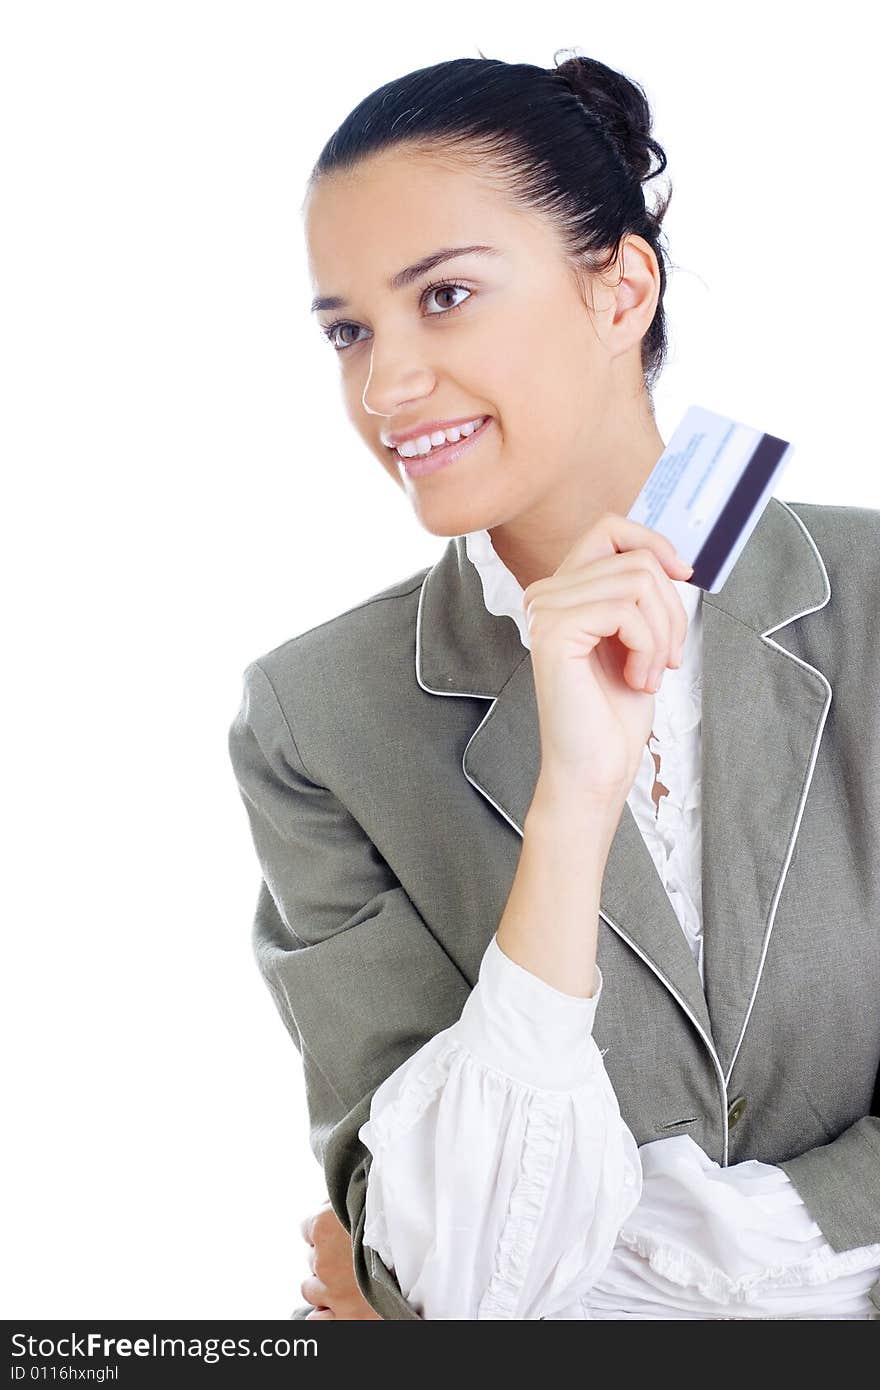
x=441 y=287
x=331 y=331
x=437 y=287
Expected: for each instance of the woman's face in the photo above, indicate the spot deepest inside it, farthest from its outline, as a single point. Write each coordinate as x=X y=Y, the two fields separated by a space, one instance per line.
x=560 y=381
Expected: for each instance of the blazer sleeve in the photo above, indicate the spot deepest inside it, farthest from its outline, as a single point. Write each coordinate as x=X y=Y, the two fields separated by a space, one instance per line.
x=332 y=924
x=840 y=1186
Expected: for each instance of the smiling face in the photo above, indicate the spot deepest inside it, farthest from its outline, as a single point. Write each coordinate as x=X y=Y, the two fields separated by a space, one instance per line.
x=509 y=333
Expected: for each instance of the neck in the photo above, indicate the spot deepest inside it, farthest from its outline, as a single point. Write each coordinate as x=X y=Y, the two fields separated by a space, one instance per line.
x=534 y=544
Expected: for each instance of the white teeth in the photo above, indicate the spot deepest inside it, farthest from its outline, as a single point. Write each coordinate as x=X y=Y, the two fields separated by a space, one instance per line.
x=426 y=442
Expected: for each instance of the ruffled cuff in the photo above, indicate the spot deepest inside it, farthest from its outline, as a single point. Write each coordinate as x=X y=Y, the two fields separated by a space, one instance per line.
x=733 y=1235
x=519 y=1024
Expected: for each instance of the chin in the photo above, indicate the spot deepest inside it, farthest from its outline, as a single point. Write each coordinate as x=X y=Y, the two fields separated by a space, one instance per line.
x=446 y=517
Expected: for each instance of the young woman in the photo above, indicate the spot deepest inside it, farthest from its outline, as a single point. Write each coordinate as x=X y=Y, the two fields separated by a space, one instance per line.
x=570 y=891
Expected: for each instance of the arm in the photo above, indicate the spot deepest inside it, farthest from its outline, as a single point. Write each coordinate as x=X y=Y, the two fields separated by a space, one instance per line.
x=502 y=1169
x=839 y=1183
x=331 y=924
x=335 y=927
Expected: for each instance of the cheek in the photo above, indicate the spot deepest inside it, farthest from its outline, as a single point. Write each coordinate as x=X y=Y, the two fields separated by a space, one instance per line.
x=353 y=385
x=392 y=467
x=534 y=379
x=541 y=406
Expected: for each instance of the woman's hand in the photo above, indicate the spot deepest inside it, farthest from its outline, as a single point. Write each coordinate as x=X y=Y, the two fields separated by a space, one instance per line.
x=594 y=696
x=332 y=1287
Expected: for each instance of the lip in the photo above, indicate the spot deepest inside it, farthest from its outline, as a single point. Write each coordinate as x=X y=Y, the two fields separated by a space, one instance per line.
x=421 y=466
x=426 y=427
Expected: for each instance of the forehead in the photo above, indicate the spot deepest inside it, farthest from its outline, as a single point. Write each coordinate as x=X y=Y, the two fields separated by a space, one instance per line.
x=364 y=224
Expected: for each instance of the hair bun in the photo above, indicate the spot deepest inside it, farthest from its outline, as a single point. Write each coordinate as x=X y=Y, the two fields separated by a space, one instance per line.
x=619 y=105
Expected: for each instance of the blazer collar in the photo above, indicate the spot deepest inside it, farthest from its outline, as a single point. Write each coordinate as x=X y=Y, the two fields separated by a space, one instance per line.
x=764 y=711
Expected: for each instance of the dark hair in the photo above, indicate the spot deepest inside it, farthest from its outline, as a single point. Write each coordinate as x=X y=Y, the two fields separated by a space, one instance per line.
x=572 y=141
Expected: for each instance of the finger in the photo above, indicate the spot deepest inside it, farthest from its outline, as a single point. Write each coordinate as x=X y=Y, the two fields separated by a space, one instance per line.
x=620 y=562
x=636 y=633
x=612 y=532
x=623 y=563
x=637 y=584
x=308 y=1223
x=678 y=619
x=585 y=624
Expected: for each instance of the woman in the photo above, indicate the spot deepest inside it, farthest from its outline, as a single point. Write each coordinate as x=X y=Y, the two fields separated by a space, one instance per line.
x=565 y=1055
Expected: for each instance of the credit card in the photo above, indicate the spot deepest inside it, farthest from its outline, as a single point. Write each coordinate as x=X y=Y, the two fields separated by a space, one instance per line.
x=708 y=489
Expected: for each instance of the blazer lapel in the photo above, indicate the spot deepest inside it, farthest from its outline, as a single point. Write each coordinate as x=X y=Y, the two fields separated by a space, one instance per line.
x=763 y=712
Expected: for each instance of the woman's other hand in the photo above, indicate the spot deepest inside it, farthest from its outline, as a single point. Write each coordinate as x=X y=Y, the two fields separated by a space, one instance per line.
x=595 y=704
x=332 y=1287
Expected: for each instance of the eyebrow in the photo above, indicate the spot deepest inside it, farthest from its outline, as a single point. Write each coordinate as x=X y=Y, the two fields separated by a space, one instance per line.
x=410 y=272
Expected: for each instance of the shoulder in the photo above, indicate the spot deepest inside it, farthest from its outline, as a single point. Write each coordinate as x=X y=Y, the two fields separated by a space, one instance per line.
x=355 y=629
x=348 y=661
x=839 y=528
x=847 y=539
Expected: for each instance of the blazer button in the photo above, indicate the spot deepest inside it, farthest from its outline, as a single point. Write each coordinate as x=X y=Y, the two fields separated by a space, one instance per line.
x=735 y=1109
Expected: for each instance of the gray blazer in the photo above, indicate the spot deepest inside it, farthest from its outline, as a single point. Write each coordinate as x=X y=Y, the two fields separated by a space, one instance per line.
x=387 y=758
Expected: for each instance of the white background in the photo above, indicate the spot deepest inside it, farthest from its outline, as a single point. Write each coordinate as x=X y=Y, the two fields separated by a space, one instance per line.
x=182 y=492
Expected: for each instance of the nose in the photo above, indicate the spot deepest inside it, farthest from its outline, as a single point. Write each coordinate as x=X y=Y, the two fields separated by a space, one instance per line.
x=394 y=382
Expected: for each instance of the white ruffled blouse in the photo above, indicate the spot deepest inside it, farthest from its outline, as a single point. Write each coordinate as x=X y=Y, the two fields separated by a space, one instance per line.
x=504 y=1182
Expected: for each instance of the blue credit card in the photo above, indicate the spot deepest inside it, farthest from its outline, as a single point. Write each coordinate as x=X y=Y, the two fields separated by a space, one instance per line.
x=708 y=489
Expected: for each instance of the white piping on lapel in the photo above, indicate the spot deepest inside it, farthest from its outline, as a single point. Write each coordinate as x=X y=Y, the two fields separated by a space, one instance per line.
x=765 y=637
x=722 y=1080
x=466 y=694
x=474 y=695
